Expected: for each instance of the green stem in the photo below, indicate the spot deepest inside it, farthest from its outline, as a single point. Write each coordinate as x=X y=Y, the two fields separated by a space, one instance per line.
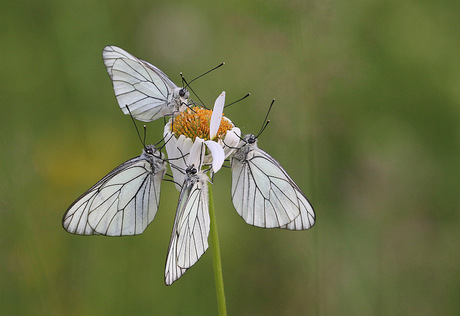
x=216 y=257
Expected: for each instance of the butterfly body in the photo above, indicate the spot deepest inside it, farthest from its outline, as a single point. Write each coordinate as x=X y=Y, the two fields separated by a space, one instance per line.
x=263 y=193
x=122 y=203
x=189 y=238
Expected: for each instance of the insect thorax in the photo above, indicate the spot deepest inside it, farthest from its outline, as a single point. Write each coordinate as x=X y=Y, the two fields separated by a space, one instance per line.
x=242 y=153
x=180 y=96
x=154 y=157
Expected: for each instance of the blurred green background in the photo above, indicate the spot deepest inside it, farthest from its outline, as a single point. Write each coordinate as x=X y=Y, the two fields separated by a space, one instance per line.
x=366 y=121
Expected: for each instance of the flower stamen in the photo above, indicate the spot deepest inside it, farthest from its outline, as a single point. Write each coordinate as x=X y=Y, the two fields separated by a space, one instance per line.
x=195 y=123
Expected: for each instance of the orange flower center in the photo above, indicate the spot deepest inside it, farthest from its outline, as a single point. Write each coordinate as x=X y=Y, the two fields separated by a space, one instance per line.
x=195 y=123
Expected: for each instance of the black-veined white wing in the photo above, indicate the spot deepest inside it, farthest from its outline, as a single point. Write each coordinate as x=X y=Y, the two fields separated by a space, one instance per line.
x=189 y=239
x=124 y=202
x=143 y=88
x=263 y=194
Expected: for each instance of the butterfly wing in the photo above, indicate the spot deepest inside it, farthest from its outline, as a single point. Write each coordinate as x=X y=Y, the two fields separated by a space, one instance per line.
x=189 y=239
x=123 y=203
x=265 y=195
x=75 y=219
x=140 y=86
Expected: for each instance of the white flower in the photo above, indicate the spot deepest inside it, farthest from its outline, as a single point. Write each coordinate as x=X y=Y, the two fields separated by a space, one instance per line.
x=201 y=138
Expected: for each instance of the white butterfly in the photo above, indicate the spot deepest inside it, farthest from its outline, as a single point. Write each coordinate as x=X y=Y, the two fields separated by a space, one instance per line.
x=124 y=202
x=143 y=88
x=263 y=193
x=189 y=239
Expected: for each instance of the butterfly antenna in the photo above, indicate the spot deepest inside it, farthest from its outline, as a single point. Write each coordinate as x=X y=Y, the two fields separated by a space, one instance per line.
x=182 y=78
x=187 y=85
x=171 y=159
x=220 y=65
x=263 y=128
x=194 y=103
x=211 y=176
x=241 y=138
x=177 y=168
x=266 y=121
x=189 y=106
x=145 y=133
x=183 y=156
x=247 y=95
x=160 y=142
x=137 y=130
x=207 y=170
x=169 y=180
x=181 y=170
x=162 y=146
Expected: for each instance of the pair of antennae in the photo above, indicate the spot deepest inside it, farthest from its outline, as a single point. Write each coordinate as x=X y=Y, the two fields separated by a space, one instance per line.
x=264 y=126
x=247 y=95
x=266 y=120
x=142 y=139
x=187 y=84
x=220 y=65
x=137 y=130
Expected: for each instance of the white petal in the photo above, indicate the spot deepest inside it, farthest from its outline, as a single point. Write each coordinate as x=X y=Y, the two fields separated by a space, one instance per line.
x=167 y=128
x=232 y=138
x=231 y=141
x=196 y=154
x=180 y=147
x=171 y=150
x=218 y=155
x=186 y=146
x=216 y=116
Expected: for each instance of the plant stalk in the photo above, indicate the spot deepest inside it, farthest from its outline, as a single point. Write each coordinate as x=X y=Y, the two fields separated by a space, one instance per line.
x=218 y=278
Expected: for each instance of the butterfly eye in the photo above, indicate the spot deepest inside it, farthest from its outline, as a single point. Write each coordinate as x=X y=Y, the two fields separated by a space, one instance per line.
x=191 y=169
x=149 y=151
x=183 y=93
x=252 y=139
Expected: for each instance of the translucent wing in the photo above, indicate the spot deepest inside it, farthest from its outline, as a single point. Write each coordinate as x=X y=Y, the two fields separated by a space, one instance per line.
x=189 y=239
x=264 y=194
x=123 y=203
x=145 y=89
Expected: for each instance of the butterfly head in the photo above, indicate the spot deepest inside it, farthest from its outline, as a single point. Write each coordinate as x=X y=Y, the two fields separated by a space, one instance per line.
x=152 y=152
x=155 y=158
x=191 y=170
x=250 y=139
x=247 y=144
x=183 y=93
x=149 y=151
